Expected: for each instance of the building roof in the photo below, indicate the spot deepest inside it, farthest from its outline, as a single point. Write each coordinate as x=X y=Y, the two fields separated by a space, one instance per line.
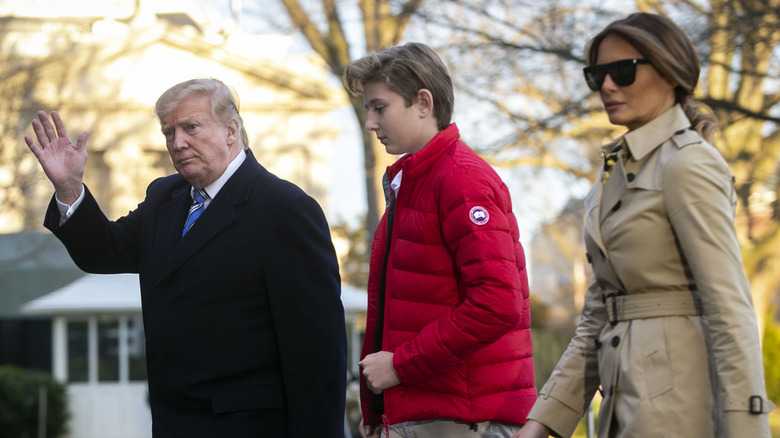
x=32 y=264
x=92 y=293
x=120 y=293
x=38 y=277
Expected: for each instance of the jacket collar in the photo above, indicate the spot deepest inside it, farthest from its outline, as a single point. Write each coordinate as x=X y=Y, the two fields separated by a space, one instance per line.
x=640 y=143
x=645 y=139
x=421 y=161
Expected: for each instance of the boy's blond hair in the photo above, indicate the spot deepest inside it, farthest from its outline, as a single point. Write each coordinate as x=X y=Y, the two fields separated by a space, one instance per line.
x=406 y=69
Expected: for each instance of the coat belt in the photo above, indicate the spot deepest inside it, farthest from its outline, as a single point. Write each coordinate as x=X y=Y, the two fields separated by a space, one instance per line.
x=649 y=305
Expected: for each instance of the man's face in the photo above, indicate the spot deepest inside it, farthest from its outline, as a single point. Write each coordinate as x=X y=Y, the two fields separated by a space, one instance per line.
x=200 y=147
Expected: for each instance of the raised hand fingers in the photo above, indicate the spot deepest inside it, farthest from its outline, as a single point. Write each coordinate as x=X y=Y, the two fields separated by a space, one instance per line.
x=53 y=134
x=43 y=139
x=81 y=142
x=31 y=144
x=61 y=131
x=45 y=128
x=61 y=160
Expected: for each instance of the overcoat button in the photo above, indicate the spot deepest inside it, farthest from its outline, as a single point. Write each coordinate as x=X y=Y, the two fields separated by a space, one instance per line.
x=615 y=341
x=630 y=177
x=617 y=206
x=680 y=132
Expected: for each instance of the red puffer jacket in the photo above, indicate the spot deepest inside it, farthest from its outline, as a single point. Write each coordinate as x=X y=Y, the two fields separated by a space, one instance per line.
x=456 y=307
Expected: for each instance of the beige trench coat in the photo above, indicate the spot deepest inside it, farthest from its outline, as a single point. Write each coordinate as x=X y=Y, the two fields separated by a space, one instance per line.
x=676 y=354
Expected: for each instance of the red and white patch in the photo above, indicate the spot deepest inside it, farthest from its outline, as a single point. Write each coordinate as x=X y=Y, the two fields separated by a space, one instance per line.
x=479 y=215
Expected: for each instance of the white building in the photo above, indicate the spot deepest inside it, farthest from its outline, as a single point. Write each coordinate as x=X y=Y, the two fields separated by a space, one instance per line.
x=98 y=349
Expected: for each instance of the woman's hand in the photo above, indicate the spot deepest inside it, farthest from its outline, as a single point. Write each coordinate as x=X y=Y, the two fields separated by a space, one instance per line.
x=532 y=429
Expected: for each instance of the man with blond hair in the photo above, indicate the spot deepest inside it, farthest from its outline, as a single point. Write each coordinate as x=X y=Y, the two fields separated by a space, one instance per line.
x=244 y=326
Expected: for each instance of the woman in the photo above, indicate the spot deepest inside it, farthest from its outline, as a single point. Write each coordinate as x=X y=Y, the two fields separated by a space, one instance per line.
x=668 y=333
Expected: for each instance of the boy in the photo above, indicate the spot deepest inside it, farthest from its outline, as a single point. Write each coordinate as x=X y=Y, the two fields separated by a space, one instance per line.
x=447 y=350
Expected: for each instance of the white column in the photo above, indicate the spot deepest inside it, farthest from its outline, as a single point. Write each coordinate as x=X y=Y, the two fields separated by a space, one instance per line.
x=124 y=372
x=59 y=347
x=92 y=354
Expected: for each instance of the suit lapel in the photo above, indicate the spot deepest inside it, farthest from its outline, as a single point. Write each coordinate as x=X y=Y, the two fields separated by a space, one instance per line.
x=220 y=213
x=170 y=220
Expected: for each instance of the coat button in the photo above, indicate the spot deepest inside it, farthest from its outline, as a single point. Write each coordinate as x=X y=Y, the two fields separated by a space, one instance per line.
x=680 y=132
x=617 y=206
x=630 y=177
x=615 y=341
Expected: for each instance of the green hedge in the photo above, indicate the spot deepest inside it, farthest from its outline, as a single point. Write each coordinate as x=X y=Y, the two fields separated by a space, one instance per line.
x=19 y=389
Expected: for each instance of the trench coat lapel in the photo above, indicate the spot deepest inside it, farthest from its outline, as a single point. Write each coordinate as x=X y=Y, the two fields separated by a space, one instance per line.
x=613 y=189
x=598 y=205
x=592 y=205
x=594 y=243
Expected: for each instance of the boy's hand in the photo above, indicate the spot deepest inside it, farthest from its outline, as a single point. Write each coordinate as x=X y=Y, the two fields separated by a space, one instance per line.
x=379 y=372
x=368 y=431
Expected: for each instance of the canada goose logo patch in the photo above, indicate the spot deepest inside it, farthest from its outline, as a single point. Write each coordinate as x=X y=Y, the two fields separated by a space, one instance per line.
x=479 y=215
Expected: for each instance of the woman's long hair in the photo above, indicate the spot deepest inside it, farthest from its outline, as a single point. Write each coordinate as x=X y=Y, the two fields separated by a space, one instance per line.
x=673 y=56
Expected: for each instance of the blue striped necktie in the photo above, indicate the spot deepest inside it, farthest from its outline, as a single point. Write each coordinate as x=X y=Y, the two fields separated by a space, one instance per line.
x=198 y=204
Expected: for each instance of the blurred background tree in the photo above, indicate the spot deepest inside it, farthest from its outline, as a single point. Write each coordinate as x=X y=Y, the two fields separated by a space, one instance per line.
x=339 y=32
x=518 y=64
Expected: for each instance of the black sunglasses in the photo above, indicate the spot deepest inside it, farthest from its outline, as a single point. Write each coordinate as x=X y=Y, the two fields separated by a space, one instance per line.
x=622 y=72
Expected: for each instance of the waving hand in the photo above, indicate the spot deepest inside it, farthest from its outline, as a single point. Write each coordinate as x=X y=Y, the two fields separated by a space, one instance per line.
x=61 y=160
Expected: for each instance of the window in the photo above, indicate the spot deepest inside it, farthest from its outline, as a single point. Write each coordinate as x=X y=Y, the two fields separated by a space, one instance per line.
x=78 y=351
x=106 y=349
x=136 y=349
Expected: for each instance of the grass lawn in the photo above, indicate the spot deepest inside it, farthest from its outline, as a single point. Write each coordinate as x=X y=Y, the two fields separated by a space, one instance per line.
x=774 y=422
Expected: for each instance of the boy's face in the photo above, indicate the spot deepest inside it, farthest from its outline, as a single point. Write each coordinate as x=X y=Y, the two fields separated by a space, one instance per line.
x=402 y=129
